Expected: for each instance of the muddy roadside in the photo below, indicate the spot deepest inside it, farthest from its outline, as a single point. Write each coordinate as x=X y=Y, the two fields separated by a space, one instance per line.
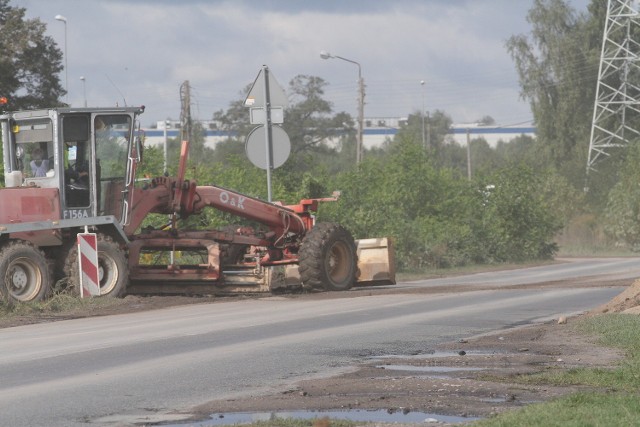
x=461 y=381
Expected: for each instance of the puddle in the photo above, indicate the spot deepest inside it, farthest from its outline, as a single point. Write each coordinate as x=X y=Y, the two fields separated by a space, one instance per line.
x=431 y=369
x=508 y=399
x=434 y=354
x=495 y=400
x=358 y=415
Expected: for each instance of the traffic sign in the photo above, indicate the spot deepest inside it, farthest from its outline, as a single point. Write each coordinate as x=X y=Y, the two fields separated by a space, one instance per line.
x=256 y=149
x=256 y=96
x=267 y=100
x=88 y=260
x=258 y=115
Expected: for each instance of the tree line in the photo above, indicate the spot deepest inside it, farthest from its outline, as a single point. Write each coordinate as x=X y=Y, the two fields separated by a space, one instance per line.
x=522 y=194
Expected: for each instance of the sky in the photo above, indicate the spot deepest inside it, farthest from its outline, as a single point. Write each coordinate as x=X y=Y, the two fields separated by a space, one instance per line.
x=139 y=52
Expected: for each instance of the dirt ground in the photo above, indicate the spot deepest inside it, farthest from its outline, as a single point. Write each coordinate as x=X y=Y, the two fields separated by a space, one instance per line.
x=467 y=379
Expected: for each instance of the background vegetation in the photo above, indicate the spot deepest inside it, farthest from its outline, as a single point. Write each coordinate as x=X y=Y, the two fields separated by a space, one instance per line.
x=524 y=197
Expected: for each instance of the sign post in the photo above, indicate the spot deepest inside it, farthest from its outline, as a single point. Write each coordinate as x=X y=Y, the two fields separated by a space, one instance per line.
x=266 y=92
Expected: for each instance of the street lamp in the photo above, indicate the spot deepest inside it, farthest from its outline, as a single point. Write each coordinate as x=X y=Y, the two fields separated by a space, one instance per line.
x=66 y=69
x=167 y=123
x=84 y=90
x=469 y=149
x=424 y=142
x=468 y=155
x=327 y=55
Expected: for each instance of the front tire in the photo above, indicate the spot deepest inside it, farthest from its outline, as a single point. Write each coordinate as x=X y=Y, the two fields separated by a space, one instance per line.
x=113 y=270
x=328 y=258
x=24 y=272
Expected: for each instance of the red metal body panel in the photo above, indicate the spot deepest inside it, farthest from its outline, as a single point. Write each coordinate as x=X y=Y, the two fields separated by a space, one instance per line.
x=29 y=204
x=159 y=198
x=280 y=219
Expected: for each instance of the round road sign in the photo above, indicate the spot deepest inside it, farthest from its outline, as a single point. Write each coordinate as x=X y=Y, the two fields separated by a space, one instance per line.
x=255 y=146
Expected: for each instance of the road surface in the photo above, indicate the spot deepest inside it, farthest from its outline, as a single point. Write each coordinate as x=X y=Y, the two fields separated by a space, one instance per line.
x=150 y=366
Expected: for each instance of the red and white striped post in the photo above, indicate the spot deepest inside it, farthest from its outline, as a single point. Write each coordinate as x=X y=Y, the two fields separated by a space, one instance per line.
x=88 y=259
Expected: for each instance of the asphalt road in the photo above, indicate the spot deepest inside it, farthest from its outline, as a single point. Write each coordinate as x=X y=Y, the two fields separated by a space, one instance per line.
x=142 y=367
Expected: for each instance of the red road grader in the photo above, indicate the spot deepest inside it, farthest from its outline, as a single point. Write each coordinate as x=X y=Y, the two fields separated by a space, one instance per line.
x=68 y=170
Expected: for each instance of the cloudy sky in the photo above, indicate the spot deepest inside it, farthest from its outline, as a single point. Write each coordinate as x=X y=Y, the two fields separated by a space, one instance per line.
x=140 y=51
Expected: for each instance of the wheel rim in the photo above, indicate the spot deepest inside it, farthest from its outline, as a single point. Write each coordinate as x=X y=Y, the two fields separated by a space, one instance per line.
x=338 y=263
x=107 y=274
x=23 y=279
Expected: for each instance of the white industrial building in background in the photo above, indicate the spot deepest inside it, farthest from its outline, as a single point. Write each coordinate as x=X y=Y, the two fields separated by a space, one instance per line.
x=377 y=130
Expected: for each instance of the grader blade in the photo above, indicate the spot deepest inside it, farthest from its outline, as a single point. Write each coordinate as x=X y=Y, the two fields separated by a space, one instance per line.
x=376 y=262
x=376 y=265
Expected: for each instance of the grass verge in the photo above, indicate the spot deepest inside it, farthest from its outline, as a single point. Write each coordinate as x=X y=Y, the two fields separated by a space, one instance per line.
x=618 y=405
x=59 y=304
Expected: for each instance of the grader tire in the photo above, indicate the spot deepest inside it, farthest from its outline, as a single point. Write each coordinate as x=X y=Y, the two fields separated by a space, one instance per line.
x=113 y=269
x=327 y=258
x=25 y=273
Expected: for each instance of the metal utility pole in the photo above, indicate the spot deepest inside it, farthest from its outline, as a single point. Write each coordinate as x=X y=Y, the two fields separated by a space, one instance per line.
x=360 y=130
x=66 y=56
x=468 y=155
x=616 y=114
x=185 y=111
x=360 y=115
x=424 y=140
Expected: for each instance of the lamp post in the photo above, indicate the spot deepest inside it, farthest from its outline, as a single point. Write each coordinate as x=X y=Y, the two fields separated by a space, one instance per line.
x=327 y=55
x=167 y=123
x=468 y=155
x=66 y=69
x=84 y=90
x=424 y=141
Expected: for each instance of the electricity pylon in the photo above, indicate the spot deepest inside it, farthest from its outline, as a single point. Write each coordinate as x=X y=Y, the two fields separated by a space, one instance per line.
x=616 y=114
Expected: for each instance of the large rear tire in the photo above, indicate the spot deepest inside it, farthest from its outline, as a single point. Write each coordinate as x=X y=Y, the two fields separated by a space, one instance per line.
x=24 y=272
x=113 y=269
x=327 y=258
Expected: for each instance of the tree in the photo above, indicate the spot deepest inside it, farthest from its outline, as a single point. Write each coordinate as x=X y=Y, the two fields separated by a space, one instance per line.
x=309 y=119
x=486 y=121
x=557 y=64
x=30 y=61
x=436 y=129
x=622 y=215
x=320 y=139
x=519 y=221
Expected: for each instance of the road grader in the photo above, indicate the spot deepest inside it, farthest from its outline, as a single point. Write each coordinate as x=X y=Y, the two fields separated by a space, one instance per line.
x=71 y=170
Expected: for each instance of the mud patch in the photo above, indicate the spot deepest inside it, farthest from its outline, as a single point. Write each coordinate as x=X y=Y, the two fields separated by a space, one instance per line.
x=361 y=415
x=479 y=382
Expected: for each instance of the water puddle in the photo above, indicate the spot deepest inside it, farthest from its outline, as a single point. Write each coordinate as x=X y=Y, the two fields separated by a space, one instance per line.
x=508 y=399
x=433 y=354
x=356 y=415
x=430 y=369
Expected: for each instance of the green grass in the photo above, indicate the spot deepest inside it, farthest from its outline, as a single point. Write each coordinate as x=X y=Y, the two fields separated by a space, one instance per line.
x=618 y=405
x=577 y=410
x=60 y=303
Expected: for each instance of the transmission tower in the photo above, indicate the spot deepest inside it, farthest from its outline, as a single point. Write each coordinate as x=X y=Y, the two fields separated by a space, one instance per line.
x=616 y=112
